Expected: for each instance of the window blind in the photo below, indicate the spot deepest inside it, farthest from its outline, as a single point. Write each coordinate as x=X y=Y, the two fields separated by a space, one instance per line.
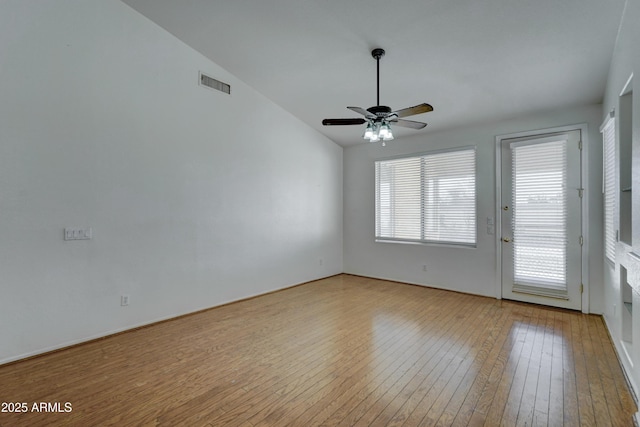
x=427 y=198
x=539 y=214
x=609 y=186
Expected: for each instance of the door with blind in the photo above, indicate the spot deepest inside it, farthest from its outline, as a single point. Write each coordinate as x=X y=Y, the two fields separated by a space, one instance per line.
x=542 y=220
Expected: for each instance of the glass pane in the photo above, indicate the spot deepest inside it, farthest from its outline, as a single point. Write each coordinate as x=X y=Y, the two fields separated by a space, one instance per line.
x=398 y=199
x=450 y=197
x=540 y=214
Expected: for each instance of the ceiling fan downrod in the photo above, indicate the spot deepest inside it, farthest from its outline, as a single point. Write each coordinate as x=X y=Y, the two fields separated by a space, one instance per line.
x=377 y=54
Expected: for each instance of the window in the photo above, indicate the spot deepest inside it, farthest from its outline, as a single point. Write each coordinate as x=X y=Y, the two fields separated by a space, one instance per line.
x=429 y=198
x=609 y=186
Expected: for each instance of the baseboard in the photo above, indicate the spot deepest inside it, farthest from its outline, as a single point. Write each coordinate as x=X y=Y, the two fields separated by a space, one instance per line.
x=405 y=282
x=110 y=333
x=625 y=370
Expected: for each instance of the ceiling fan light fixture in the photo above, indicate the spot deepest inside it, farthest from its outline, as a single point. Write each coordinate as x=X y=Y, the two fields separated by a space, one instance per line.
x=378 y=132
x=385 y=132
x=368 y=133
x=375 y=135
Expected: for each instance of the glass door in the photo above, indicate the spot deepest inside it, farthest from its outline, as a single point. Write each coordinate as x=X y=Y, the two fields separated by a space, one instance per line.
x=541 y=220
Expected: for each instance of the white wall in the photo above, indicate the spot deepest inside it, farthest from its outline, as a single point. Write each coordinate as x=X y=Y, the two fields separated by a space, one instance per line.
x=626 y=61
x=461 y=269
x=195 y=197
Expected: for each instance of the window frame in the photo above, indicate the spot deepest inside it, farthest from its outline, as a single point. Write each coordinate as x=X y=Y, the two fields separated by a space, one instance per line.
x=423 y=214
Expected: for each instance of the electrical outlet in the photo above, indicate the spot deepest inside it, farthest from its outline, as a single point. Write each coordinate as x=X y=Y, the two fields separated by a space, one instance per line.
x=124 y=300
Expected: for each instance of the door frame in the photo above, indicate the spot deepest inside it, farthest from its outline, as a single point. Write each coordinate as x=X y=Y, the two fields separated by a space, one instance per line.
x=584 y=184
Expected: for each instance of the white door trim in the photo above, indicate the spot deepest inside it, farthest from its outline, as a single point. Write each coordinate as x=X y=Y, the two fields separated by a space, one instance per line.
x=584 y=180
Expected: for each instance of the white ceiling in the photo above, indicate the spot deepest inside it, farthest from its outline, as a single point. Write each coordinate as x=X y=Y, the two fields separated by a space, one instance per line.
x=473 y=60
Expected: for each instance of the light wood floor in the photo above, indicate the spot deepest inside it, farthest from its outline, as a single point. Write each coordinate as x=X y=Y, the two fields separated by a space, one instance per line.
x=340 y=351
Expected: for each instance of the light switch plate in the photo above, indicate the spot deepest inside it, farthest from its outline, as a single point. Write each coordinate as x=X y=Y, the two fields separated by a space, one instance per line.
x=73 y=233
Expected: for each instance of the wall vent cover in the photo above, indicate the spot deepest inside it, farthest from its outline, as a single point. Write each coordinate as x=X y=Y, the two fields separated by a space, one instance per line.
x=212 y=83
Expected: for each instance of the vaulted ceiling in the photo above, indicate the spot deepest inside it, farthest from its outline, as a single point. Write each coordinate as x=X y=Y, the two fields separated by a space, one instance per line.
x=473 y=60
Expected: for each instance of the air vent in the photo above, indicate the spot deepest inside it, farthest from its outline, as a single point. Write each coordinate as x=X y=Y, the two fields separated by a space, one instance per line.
x=212 y=83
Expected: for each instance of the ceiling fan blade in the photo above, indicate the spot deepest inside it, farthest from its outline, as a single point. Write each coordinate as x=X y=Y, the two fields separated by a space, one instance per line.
x=418 y=109
x=363 y=112
x=408 y=123
x=341 y=122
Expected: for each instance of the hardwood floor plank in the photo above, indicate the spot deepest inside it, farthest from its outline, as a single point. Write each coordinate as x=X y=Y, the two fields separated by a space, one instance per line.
x=617 y=387
x=594 y=376
x=457 y=386
x=480 y=378
x=389 y=336
x=263 y=388
x=345 y=350
x=556 y=380
x=604 y=388
x=424 y=381
x=480 y=313
x=498 y=388
x=585 y=403
x=408 y=343
x=236 y=378
x=343 y=411
x=571 y=415
x=543 y=390
x=468 y=390
x=444 y=328
x=522 y=364
x=532 y=387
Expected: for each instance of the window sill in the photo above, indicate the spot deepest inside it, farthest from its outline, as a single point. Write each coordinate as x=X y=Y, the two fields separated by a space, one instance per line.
x=434 y=244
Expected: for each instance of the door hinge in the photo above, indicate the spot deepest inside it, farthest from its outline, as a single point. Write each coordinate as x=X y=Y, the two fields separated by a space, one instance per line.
x=580 y=192
x=581 y=241
x=581 y=288
x=580 y=145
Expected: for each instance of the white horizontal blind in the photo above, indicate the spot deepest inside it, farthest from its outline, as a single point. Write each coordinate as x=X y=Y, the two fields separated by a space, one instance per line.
x=398 y=196
x=450 y=197
x=540 y=214
x=609 y=168
x=427 y=198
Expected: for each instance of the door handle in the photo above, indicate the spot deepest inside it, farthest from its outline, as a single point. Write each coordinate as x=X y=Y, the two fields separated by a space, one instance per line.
x=506 y=239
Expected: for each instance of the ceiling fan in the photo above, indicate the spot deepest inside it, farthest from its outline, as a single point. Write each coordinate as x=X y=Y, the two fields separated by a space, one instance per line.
x=379 y=117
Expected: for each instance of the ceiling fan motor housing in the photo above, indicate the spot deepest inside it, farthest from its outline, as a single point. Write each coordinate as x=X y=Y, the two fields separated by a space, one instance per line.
x=380 y=110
